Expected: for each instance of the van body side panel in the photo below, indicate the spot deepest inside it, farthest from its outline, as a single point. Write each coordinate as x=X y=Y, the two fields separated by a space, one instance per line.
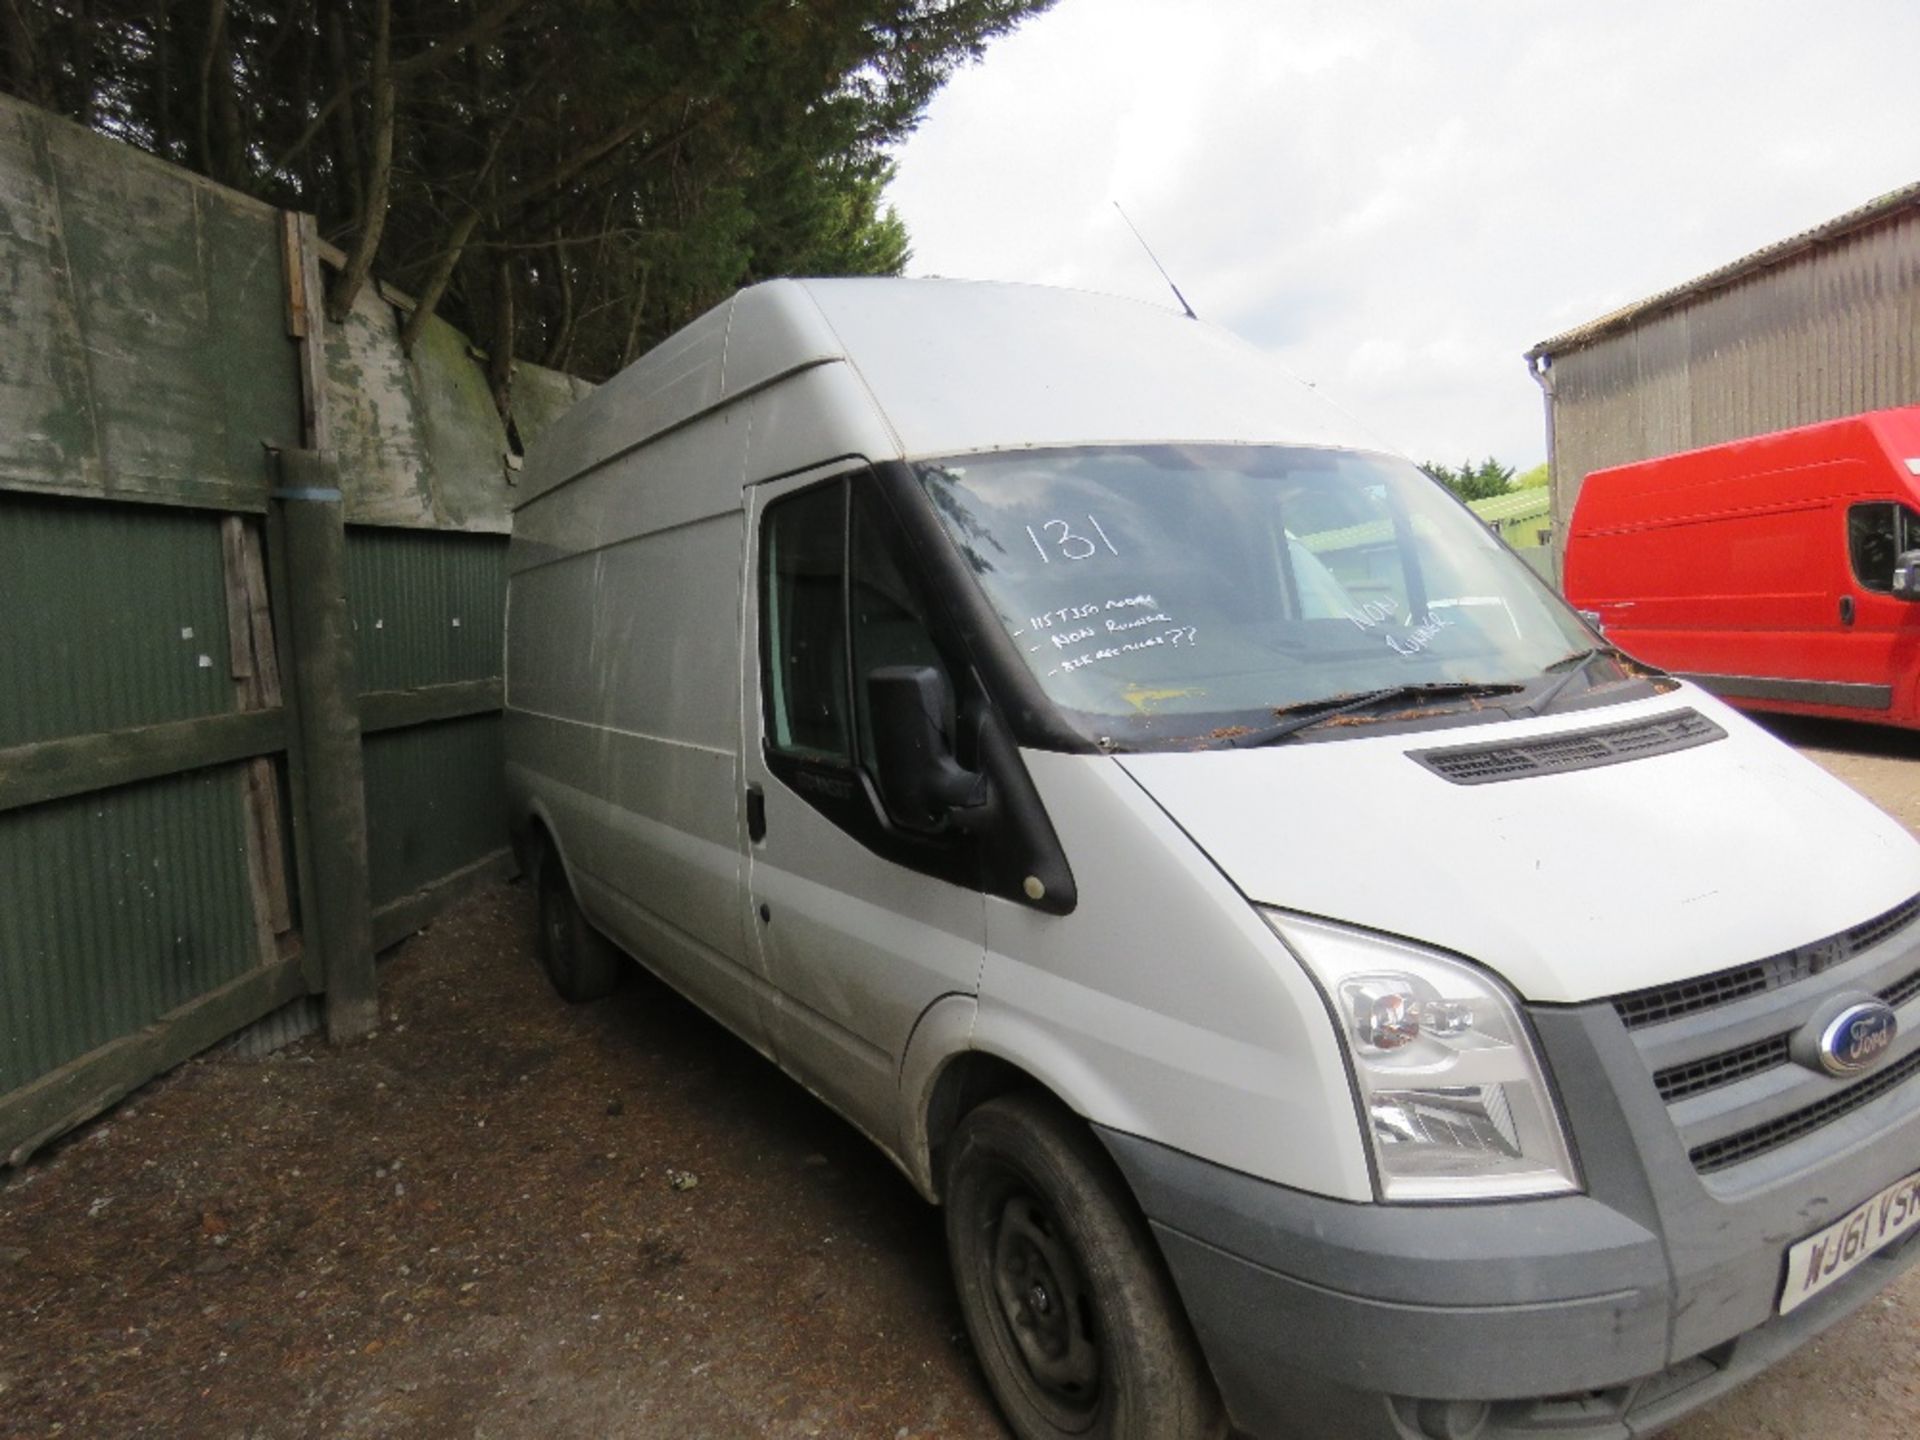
x=1163 y=1007
x=1751 y=593
x=692 y=474
x=623 y=641
x=679 y=378
x=1730 y=565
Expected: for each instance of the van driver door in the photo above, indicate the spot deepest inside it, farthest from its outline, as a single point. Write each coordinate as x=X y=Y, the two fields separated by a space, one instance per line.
x=860 y=926
x=1877 y=649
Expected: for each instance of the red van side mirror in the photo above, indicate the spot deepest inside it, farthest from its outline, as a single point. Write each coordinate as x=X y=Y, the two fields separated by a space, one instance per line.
x=1906 y=575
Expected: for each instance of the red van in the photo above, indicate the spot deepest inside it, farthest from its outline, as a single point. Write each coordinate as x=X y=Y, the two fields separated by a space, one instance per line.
x=1779 y=572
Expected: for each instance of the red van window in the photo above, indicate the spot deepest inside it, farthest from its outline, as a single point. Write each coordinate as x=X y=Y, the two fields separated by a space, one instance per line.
x=1877 y=535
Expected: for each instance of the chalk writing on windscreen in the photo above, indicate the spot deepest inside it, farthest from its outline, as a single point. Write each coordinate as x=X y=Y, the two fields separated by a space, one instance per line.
x=1066 y=543
x=1373 y=616
x=1083 y=635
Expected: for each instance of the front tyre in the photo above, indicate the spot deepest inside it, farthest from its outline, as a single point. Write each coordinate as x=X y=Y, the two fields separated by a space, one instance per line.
x=578 y=959
x=1071 y=1311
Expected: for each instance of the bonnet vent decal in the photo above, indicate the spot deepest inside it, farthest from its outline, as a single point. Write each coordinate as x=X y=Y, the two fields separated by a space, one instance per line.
x=1570 y=749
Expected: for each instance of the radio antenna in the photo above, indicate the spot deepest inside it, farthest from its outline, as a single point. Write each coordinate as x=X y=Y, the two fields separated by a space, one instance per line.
x=1156 y=263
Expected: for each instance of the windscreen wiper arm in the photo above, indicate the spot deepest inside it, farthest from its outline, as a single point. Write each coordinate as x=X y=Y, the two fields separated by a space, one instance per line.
x=1569 y=668
x=1313 y=712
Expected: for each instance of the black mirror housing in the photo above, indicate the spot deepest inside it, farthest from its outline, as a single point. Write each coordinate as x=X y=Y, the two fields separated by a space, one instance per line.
x=921 y=782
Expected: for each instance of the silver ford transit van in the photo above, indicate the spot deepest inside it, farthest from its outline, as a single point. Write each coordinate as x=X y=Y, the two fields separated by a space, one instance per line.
x=1329 y=990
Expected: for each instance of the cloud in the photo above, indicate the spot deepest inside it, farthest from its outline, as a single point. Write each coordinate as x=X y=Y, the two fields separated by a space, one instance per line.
x=1397 y=198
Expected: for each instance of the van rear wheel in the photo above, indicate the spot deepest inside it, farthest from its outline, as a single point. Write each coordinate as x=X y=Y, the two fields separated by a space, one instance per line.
x=1072 y=1314
x=578 y=959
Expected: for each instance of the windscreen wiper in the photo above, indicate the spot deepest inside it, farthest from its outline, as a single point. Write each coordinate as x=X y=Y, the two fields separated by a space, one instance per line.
x=1569 y=668
x=1312 y=712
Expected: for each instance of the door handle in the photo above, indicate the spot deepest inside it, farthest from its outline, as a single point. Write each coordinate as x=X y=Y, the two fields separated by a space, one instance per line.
x=756 y=813
x=1846 y=609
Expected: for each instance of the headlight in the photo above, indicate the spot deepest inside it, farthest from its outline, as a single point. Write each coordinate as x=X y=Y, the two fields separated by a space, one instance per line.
x=1454 y=1099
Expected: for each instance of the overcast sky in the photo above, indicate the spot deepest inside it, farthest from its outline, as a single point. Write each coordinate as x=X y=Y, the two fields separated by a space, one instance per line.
x=1399 y=197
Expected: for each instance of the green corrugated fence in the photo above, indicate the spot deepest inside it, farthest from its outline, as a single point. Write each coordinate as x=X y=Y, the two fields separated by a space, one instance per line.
x=195 y=466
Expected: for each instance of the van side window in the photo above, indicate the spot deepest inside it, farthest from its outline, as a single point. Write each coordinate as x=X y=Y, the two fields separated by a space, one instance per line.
x=828 y=622
x=803 y=619
x=1877 y=535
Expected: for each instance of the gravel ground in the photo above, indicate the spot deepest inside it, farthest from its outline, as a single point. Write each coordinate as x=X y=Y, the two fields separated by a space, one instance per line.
x=505 y=1217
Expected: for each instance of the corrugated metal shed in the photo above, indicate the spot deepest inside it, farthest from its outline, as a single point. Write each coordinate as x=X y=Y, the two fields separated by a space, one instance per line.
x=1814 y=327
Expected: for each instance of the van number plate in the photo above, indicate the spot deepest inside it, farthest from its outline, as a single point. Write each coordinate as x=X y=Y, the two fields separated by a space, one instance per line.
x=1820 y=1260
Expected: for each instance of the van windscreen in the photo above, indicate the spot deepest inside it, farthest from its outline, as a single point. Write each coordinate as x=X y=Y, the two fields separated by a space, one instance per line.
x=1190 y=590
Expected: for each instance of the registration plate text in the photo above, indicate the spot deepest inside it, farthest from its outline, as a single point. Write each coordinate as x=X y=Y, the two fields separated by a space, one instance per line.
x=1820 y=1260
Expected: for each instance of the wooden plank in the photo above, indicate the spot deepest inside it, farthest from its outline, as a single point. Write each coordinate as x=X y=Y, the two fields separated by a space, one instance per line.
x=82 y=1088
x=266 y=654
x=256 y=674
x=313 y=359
x=296 y=273
x=403 y=915
x=266 y=848
x=263 y=778
x=396 y=709
x=233 y=531
x=246 y=694
x=279 y=592
x=52 y=769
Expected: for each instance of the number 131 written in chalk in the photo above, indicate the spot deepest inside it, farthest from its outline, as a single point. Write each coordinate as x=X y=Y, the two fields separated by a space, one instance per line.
x=1068 y=543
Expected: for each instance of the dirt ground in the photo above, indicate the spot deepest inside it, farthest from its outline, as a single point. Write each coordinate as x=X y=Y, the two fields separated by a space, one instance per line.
x=504 y=1217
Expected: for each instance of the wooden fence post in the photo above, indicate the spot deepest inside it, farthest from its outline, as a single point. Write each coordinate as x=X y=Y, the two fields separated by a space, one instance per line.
x=330 y=826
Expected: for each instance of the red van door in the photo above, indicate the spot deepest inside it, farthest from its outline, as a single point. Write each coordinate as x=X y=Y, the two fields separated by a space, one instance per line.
x=1879 y=649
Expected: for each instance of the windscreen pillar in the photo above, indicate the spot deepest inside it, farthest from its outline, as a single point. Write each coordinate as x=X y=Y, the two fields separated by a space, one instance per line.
x=330 y=799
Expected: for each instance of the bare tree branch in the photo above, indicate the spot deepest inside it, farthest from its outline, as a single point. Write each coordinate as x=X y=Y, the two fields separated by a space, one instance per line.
x=373 y=213
x=209 y=52
x=412 y=66
x=437 y=281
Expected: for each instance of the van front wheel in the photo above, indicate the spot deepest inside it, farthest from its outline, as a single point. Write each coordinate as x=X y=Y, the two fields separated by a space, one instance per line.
x=1070 y=1308
x=578 y=959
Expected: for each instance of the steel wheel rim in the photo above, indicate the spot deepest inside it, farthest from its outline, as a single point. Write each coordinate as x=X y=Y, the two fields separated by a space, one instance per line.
x=1040 y=1305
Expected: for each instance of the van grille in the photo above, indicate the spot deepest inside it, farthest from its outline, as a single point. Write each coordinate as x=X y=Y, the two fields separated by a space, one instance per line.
x=1676 y=1082
x=1900 y=994
x=1720 y=1047
x=1571 y=749
x=1750 y=1144
x=1668 y=1002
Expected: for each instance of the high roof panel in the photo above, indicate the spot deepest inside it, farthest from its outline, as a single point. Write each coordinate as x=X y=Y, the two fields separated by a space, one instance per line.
x=955 y=367
x=959 y=366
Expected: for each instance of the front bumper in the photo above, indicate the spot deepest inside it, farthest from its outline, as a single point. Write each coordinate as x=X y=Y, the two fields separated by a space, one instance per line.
x=1608 y=1314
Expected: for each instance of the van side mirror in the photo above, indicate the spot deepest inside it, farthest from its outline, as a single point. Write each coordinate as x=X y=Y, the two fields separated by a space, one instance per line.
x=920 y=781
x=1906 y=575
